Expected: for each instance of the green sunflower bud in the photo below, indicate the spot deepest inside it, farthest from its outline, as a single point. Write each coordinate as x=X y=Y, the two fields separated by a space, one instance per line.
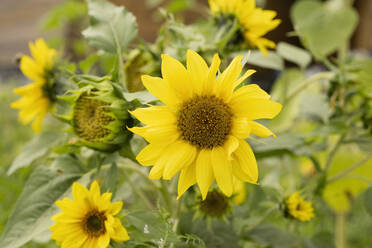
x=99 y=115
x=215 y=205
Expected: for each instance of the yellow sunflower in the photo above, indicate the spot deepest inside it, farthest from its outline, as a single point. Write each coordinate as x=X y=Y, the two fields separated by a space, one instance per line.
x=201 y=130
x=88 y=220
x=254 y=22
x=36 y=100
x=298 y=208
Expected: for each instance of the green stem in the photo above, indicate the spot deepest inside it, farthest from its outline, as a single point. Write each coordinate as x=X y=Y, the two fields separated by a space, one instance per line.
x=222 y=44
x=333 y=153
x=350 y=169
x=137 y=190
x=313 y=79
x=165 y=193
x=121 y=72
x=141 y=173
x=340 y=240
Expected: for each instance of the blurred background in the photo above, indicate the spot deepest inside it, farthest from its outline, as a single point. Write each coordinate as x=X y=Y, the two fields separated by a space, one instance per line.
x=61 y=22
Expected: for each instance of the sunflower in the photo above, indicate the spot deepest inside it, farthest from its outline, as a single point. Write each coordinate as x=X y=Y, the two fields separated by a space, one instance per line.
x=298 y=208
x=201 y=130
x=88 y=220
x=36 y=97
x=254 y=22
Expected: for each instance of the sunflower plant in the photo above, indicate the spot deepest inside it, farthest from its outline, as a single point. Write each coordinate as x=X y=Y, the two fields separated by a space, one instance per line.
x=178 y=143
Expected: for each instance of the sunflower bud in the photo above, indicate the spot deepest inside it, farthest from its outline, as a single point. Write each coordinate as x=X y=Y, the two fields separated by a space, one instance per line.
x=99 y=115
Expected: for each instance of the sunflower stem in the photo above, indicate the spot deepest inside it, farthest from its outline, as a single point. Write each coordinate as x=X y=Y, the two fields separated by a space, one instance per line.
x=166 y=196
x=333 y=153
x=137 y=190
x=313 y=79
x=340 y=239
x=222 y=44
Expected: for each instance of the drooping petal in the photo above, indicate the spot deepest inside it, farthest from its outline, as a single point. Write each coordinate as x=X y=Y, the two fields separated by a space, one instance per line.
x=150 y=154
x=260 y=130
x=204 y=171
x=247 y=161
x=222 y=170
x=179 y=155
x=187 y=179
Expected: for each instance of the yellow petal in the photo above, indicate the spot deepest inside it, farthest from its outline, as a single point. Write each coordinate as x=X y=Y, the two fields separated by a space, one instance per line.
x=231 y=145
x=150 y=154
x=256 y=108
x=260 y=130
x=246 y=159
x=31 y=69
x=79 y=192
x=210 y=83
x=179 y=155
x=187 y=179
x=116 y=230
x=115 y=207
x=241 y=128
x=156 y=134
x=24 y=90
x=198 y=70
x=156 y=171
x=204 y=171
x=222 y=170
x=155 y=115
x=249 y=91
x=226 y=81
x=103 y=241
x=177 y=76
x=161 y=89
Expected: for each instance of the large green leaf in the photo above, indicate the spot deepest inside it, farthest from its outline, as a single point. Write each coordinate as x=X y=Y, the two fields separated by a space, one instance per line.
x=112 y=28
x=34 y=208
x=270 y=61
x=294 y=54
x=323 y=27
x=37 y=148
x=368 y=200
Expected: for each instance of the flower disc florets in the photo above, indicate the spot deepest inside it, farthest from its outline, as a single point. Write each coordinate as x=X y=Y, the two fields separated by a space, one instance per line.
x=99 y=115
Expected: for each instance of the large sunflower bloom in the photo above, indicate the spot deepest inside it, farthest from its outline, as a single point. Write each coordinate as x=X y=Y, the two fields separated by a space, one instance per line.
x=36 y=101
x=201 y=130
x=254 y=22
x=88 y=220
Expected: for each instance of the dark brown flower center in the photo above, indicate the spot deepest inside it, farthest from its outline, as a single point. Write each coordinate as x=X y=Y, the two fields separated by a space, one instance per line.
x=90 y=119
x=94 y=223
x=205 y=121
x=215 y=204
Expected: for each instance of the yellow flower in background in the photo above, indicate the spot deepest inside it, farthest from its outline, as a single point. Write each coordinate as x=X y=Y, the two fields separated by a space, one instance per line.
x=298 y=208
x=88 y=220
x=35 y=102
x=202 y=129
x=255 y=22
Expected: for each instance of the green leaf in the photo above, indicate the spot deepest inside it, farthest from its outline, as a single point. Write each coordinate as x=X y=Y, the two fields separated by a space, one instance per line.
x=271 y=61
x=269 y=235
x=294 y=54
x=112 y=28
x=323 y=27
x=368 y=200
x=35 y=149
x=35 y=207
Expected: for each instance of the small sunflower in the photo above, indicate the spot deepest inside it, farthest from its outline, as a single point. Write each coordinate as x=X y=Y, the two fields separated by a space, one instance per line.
x=254 y=22
x=202 y=129
x=88 y=220
x=36 y=97
x=298 y=208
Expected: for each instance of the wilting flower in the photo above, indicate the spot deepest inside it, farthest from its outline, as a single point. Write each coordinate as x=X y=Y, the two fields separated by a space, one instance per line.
x=99 y=115
x=202 y=129
x=88 y=220
x=215 y=205
x=298 y=208
x=37 y=97
x=254 y=22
